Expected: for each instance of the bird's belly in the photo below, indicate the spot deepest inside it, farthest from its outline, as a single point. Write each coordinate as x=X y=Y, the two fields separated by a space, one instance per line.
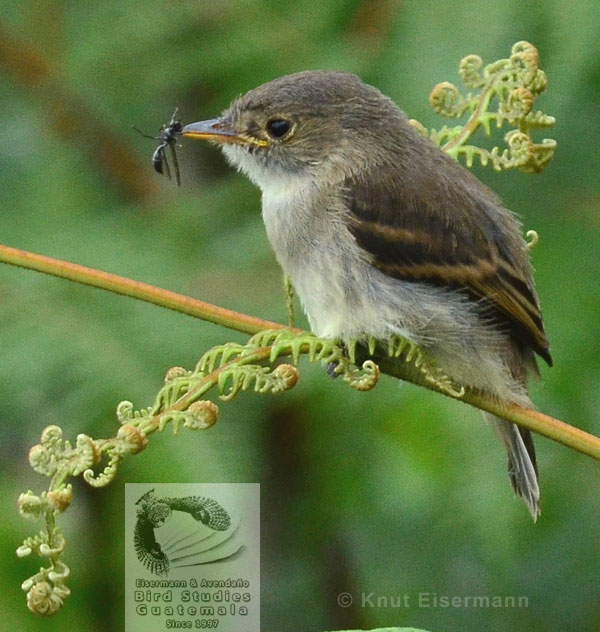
x=329 y=303
x=340 y=296
x=343 y=295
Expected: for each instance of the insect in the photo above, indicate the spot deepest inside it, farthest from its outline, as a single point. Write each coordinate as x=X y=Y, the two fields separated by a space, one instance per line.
x=168 y=138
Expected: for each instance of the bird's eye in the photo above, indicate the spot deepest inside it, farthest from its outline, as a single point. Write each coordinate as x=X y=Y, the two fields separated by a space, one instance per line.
x=278 y=128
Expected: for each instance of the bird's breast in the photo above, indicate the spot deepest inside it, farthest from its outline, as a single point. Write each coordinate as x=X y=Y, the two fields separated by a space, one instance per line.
x=309 y=235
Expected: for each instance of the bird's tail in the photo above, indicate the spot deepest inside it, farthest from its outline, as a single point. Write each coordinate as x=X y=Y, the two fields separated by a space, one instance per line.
x=522 y=467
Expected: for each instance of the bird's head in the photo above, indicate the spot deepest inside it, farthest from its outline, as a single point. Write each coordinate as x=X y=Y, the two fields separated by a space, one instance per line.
x=302 y=125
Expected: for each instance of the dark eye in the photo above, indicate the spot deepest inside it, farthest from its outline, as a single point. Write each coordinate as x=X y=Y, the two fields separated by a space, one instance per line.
x=278 y=128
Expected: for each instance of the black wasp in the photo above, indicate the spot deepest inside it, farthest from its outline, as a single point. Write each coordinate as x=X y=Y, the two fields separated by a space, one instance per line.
x=168 y=138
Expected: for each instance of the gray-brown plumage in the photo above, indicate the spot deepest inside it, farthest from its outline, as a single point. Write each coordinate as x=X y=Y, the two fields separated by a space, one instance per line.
x=383 y=234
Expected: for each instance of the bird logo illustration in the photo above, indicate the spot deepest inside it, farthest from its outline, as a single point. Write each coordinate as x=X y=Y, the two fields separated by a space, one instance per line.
x=189 y=546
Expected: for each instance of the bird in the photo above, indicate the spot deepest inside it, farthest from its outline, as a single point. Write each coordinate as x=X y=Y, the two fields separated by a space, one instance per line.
x=153 y=512
x=382 y=234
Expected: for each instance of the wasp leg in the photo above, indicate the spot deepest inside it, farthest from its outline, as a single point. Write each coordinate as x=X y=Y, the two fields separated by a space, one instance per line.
x=175 y=163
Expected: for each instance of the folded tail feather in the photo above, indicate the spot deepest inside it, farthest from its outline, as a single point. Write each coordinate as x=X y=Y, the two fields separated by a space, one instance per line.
x=522 y=467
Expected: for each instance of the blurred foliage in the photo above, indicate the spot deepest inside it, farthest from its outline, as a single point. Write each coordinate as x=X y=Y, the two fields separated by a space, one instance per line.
x=389 y=491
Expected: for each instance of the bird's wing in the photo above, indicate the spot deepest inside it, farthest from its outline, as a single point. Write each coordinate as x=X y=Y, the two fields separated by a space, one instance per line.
x=148 y=550
x=428 y=230
x=205 y=510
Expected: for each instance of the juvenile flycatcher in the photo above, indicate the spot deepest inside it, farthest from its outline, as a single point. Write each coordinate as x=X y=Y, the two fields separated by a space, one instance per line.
x=383 y=234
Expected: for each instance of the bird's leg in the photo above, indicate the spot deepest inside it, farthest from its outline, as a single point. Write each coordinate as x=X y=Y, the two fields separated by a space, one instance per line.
x=288 y=288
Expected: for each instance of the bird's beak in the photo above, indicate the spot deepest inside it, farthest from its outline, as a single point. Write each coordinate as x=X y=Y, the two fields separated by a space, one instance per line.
x=218 y=131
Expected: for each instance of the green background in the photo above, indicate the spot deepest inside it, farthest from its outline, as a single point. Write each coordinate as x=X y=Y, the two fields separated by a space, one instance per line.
x=396 y=491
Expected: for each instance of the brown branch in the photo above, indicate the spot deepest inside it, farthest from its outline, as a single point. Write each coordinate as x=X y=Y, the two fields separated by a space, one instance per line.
x=136 y=289
x=538 y=422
